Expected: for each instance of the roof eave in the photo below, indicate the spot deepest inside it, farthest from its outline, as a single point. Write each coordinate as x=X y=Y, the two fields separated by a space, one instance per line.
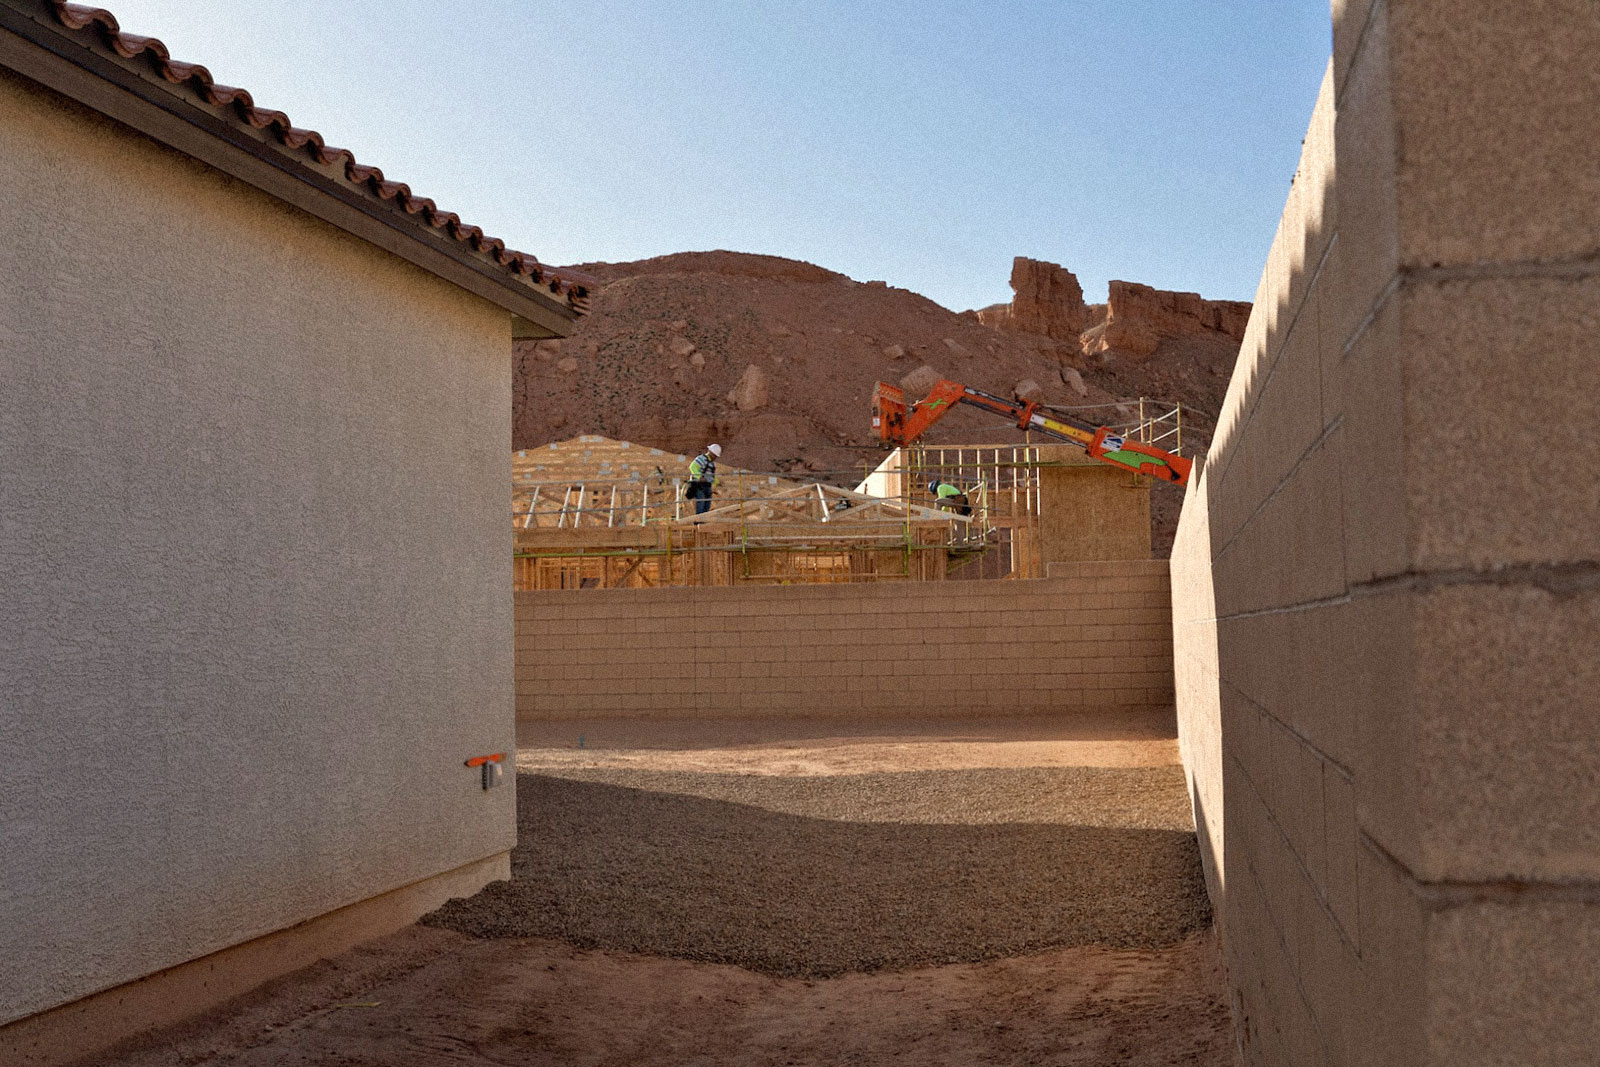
x=36 y=47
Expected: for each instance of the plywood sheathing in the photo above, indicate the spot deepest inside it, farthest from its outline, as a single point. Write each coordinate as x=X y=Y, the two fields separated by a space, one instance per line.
x=1090 y=510
x=1054 y=503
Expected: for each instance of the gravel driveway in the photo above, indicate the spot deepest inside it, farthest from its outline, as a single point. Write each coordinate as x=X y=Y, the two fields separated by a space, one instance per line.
x=824 y=875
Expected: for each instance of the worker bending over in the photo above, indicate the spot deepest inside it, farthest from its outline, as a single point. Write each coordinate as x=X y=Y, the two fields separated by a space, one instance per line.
x=948 y=496
x=702 y=476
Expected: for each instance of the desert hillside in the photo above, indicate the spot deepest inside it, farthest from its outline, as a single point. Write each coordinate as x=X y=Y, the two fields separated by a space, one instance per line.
x=776 y=359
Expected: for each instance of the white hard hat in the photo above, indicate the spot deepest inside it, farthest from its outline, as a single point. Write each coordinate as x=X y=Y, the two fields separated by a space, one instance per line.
x=715 y=450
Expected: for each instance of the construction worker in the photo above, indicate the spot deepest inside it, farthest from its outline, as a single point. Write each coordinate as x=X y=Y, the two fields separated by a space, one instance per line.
x=702 y=476
x=946 y=495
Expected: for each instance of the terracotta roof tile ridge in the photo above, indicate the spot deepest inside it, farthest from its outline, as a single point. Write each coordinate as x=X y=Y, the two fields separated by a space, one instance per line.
x=574 y=286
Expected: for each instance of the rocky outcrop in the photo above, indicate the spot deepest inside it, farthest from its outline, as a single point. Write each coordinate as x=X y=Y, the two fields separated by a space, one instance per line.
x=997 y=316
x=1047 y=301
x=1138 y=317
x=753 y=390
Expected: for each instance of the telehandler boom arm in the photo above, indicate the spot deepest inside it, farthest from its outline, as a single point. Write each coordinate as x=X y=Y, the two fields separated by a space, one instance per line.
x=896 y=424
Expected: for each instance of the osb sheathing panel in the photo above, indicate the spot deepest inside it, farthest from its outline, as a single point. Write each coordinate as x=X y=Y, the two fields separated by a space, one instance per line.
x=1089 y=513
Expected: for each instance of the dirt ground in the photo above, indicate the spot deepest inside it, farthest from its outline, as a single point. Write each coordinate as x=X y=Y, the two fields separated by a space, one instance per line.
x=974 y=892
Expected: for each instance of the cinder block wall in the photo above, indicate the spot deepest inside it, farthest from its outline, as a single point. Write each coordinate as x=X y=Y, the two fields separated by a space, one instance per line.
x=1095 y=635
x=1387 y=579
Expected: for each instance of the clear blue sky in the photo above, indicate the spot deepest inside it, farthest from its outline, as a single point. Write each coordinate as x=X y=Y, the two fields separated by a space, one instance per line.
x=921 y=142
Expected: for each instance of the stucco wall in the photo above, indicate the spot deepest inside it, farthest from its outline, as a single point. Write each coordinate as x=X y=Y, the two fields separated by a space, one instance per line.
x=1387 y=581
x=253 y=603
x=1095 y=635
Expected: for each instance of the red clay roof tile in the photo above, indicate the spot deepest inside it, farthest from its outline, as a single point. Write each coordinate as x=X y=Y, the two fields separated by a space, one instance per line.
x=573 y=286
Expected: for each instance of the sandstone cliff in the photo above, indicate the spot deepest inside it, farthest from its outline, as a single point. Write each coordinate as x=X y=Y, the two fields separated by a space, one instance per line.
x=1138 y=318
x=1048 y=302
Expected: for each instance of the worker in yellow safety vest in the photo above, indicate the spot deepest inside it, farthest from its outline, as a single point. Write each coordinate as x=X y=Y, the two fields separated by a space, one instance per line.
x=702 y=476
x=948 y=496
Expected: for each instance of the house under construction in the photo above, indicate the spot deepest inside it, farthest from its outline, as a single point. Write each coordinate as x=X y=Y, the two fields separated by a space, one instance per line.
x=592 y=512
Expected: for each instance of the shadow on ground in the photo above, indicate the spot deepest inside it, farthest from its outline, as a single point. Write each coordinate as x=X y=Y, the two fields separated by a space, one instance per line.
x=605 y=865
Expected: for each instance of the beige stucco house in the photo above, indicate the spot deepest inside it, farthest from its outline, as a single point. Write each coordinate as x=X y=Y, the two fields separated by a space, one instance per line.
x=236 y=704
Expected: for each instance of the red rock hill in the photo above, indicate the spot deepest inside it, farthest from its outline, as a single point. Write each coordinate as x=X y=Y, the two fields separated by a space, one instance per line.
x=776 y=359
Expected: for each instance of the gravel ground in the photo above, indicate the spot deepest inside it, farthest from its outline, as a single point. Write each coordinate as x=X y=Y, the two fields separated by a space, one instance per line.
x=815 y=877
x=428 y=997
x=1143 y=798
x=1055 y=860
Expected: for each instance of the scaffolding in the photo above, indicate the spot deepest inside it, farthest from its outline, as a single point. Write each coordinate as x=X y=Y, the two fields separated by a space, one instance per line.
x=1008 y=479
x=597 y=513
x=1003 y=483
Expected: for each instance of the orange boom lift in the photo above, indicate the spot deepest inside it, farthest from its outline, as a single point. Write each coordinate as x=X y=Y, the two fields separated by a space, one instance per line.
x=896 y=424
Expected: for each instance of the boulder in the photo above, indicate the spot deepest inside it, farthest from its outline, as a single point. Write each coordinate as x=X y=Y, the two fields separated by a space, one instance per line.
x=752 y=392
x=1027 y=389
x=1074 y=380
x=918 y=382
x=954 y=346
x=697 y=360
x=894 y=351
x=680 y=346
x=567 y=366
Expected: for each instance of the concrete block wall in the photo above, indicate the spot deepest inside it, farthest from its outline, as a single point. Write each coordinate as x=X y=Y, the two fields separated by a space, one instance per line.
x=1092 y=635
x=1387 y=577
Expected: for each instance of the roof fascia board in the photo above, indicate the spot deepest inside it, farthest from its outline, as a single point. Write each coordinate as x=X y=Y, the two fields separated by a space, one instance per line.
x=118 y=90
